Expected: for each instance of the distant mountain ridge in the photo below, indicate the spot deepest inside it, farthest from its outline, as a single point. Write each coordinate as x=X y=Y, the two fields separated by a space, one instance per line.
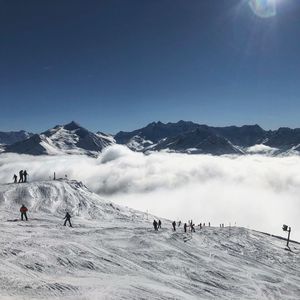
x=182 y=137
x=8 y=138
x=189 y=137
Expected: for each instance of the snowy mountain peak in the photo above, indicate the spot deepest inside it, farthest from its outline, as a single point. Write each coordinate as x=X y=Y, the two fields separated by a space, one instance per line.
x=72 y=126
x=63 y=139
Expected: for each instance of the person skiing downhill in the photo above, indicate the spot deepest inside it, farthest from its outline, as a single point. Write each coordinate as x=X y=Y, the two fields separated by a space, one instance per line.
x=15 y=178
x=155 y=225
x=23 y=211
x=174 y=225
x=67 y=218
x=184 y=227
x=21 y=176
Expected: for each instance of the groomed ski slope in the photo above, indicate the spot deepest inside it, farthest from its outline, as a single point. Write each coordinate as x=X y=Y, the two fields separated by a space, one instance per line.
x=113 y=253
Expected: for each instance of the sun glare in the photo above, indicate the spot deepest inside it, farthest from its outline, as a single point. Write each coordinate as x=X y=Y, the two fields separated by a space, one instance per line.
x=263 y=8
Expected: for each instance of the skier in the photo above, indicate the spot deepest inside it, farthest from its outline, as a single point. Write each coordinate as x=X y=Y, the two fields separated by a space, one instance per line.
x=155 y=225
x=15 y=178
x=25 y=174
x=208 y=224
x=67 y=219
x=200 y=225
x=179 y=223
x=21 y=176
x=159 y=224
x=174 y=225
x=184 y=227
x=23 y=211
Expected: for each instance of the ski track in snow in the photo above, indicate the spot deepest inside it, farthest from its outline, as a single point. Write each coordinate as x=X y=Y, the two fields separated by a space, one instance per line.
x=113 y=253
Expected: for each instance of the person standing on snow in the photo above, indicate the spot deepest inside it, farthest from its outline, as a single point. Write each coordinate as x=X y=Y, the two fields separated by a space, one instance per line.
x=174 y=225
x=184 y=227
x=25 y=174
x=23 y=211
x=159 y=224
x=21 y=176
x=67 y=218
x=15 y=178
x=155 y=225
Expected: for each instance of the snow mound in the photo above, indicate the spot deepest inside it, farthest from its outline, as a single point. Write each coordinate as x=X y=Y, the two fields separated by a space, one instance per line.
x=58 y=196
x=112 y=253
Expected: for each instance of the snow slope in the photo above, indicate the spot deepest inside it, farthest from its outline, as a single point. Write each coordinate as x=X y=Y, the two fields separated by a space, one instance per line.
x=113 y=253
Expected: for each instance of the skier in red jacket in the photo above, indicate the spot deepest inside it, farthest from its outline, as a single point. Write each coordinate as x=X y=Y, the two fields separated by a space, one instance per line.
x=23 y=211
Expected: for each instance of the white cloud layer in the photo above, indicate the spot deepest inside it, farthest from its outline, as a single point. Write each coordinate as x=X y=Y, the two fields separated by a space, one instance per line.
x=254 y=191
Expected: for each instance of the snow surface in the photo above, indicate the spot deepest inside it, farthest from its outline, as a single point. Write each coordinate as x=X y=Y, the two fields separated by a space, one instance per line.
x=112 y=252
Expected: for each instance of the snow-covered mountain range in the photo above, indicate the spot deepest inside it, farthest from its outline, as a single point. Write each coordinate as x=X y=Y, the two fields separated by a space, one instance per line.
x=183 y=136
x=189 y=137
x=112 y=252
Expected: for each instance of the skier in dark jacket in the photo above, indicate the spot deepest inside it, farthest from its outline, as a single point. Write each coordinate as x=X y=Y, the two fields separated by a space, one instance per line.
x=159 y=224
x=23 y=211
x=184 y=227
x=155 y=225
x=25 y=174
x=15 y=178
x=174 y=225
x=68 y=219
x=21 y=176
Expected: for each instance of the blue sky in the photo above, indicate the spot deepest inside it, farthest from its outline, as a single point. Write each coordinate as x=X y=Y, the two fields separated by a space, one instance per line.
x=120 y=64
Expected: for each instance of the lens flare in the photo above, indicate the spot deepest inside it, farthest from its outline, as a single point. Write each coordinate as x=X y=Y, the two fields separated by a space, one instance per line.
x=263 y=8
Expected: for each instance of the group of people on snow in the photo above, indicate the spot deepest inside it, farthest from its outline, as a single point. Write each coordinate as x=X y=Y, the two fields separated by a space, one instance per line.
x=22 y=177
x=157 y=225
x=190 y=224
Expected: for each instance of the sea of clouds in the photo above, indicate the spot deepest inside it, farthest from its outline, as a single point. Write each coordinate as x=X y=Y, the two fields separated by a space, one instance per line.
x=253 y=191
